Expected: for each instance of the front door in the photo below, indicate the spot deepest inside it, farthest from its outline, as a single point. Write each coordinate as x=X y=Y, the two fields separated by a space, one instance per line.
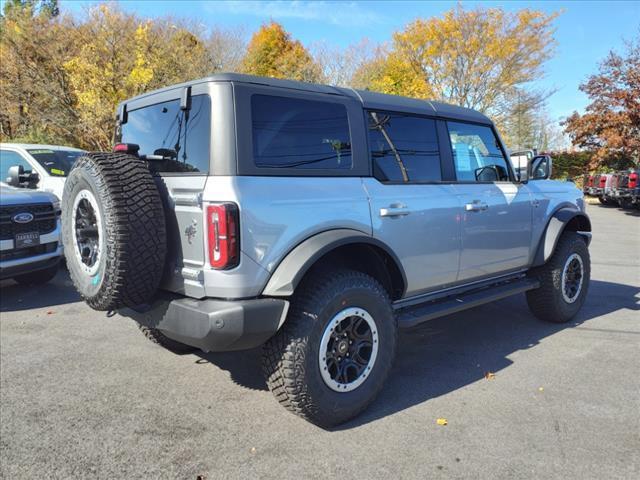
x=412 y=211
x=497 y=211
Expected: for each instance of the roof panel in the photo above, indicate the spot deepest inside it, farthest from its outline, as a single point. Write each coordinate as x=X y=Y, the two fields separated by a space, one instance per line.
x=369 y=99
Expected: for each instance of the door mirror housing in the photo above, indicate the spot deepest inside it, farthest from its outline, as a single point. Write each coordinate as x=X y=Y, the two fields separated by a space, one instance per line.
x=18 y=178
x=15 y=172
x=540 y=168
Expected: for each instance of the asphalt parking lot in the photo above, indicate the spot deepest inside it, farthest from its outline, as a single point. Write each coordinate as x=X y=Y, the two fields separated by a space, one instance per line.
x=84 y=396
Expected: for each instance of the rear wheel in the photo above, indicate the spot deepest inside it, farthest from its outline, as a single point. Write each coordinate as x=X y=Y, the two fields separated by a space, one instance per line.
x=564 y=281
x=625 y=203
x=331 y=357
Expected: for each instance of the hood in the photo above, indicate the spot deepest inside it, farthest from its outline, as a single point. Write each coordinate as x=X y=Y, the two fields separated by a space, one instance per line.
x=20 y=196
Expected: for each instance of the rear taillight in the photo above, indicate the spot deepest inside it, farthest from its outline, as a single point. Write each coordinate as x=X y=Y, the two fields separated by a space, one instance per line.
x=603 y=181
x=633 y=180
x=224 y=237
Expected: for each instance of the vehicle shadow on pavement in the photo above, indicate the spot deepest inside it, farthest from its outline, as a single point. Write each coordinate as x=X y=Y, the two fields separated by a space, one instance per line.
x=244 y=367
x=448 y=353
x=16 y=297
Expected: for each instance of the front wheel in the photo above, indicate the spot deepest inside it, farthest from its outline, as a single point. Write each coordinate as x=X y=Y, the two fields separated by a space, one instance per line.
x=564 y=281
x=331 y=357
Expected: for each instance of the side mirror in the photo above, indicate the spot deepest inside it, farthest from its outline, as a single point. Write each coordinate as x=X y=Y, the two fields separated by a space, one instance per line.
x=15 y=172
x=540 y=168
x=18 y=178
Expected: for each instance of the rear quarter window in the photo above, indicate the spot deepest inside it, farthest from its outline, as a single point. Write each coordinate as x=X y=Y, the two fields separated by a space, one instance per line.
x=293 y=133
x=182 y=138
x=403 y=148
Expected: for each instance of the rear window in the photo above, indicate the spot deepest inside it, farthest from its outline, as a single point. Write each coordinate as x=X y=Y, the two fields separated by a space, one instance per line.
x=178 y=140
x=57 y=163
x=403 y=148
x=300 y=134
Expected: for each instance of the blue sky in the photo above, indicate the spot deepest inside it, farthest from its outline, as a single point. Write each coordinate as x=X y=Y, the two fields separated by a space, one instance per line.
x=586 y=31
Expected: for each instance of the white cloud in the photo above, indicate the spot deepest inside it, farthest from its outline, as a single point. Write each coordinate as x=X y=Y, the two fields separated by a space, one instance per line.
x=346 y=14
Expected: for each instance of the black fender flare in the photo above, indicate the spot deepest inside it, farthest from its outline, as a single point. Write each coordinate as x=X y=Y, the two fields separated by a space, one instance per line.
x=554 y=229
x=298 y=261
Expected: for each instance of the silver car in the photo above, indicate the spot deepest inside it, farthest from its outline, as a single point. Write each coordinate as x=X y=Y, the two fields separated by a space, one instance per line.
x=240 y=211
x=30 y=247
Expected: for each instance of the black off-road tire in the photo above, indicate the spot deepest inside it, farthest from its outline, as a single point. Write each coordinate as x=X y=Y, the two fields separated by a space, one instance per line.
x=133 y=226
x=547 y=302
x=37 y=278
x=159 y=338
x=603 y=200
x=290 y=358
x=625 y=203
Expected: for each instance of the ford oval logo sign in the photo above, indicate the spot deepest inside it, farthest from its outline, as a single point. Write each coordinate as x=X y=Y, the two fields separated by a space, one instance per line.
x=24 y=217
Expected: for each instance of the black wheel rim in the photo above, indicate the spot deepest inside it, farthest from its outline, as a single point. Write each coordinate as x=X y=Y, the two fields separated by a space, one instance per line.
x=348 y=349
x=572 y=278
x=86 y=224
x=87 y=234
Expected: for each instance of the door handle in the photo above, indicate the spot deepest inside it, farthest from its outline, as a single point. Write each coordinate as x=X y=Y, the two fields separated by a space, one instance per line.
x=394 y=211
x=476 y=206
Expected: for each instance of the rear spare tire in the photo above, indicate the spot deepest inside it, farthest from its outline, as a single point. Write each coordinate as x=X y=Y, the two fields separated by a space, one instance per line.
x=113 y=230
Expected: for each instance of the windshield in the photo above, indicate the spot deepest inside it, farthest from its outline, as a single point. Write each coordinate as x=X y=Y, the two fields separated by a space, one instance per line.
x=56 y=162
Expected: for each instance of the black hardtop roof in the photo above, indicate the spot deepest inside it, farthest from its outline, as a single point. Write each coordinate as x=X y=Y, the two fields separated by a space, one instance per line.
x=369 y=99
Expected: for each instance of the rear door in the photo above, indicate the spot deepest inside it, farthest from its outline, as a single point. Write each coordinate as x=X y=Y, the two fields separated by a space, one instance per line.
x=176 y=141
x=412 y=210
x=497 y=211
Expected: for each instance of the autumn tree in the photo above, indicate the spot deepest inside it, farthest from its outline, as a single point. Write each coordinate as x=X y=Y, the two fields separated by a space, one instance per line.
x=273 y=53
x=610 y=126
x=61 y=79
x=474 y=58
x=36 y=102
x=341 y=66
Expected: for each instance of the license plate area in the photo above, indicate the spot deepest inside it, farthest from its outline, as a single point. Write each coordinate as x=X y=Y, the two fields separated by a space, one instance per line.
x=27 y=239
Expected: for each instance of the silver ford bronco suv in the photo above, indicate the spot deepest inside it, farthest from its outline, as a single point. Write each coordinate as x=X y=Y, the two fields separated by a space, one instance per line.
x=315 y=221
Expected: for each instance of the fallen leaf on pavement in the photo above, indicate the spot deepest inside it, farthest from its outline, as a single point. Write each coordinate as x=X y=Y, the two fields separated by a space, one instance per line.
x=489 y=375
x=541 y=389
x=442 y=421
x=253 y=450
x=50 y=312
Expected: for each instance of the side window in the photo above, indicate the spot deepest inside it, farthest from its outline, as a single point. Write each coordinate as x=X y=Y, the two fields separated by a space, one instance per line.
x=477 y=154
x=178 y=139
x=403 y=148
x=301 y=134
x=8 y=159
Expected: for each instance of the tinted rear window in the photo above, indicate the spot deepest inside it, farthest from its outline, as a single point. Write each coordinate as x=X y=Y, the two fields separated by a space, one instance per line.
x=301 y=134
x=164 y=130
x=406 y=143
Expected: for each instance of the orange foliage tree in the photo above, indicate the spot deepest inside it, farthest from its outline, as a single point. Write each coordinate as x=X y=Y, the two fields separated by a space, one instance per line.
x=610 y=126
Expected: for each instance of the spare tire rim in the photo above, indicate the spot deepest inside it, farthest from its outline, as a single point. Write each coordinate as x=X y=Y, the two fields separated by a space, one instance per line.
x=572 y=278
x=86 y=230
x=348 y=349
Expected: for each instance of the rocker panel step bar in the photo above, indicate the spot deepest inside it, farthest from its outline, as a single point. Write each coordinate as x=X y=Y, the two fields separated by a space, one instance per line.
x=413 y=316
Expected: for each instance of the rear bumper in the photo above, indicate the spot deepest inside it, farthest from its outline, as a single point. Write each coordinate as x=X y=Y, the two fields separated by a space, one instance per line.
x=214 y=325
